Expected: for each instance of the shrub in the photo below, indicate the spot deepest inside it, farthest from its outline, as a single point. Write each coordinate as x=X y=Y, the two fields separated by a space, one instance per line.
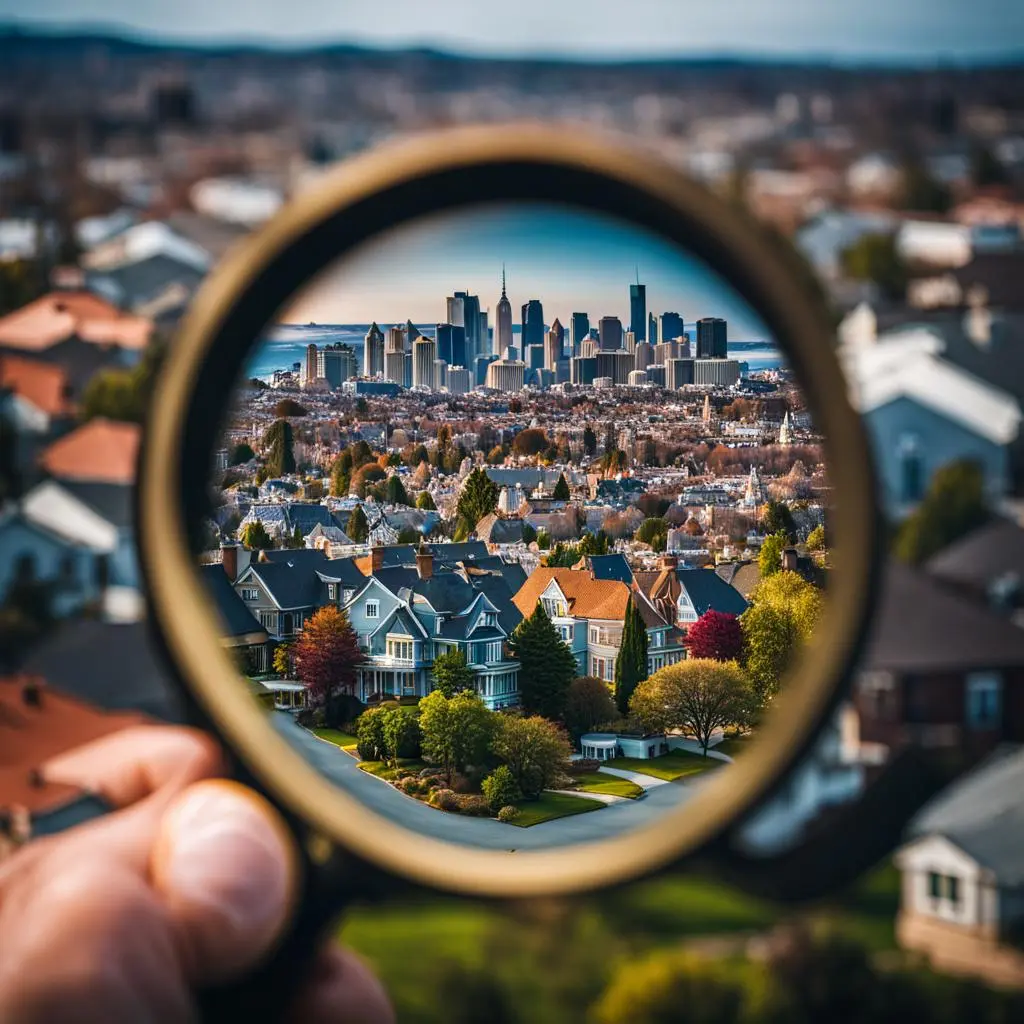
x=500 y=788
x=473 y=804
x=532 y=781
x=508 y=814
x=311 y=718
x=430 y=773
x=585 y=764
x=341 y=708
x=463 y=784
x=444 y=800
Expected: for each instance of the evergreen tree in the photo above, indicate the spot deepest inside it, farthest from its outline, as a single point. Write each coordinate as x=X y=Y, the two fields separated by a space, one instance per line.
x=589 y=440
x=255 y=536
x=426 y=502
x=631 y=663
x=769 y=560
x=478 y=498
x=546 y=665
x=358 y=529
x=395 y=491
x=561 y=491
x=778 y=518
x=279 y=439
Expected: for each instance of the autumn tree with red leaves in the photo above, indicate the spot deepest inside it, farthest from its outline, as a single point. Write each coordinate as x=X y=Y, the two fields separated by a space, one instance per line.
x=715 y=635
x=327 y=655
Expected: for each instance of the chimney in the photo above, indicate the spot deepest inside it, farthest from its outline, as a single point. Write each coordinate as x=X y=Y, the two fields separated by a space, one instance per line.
x=376 y=558
x=789 y=561
x=31 y=693
x=229 y=559
x=668 y=562
x=424 y=564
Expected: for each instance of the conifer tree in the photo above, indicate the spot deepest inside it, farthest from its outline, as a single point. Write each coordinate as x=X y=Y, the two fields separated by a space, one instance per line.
x=631 y=663
x=546 y=665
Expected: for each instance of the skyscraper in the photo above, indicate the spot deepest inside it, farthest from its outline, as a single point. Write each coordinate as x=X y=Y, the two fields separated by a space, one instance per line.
x=506 y=375
x=652 y=328
x=336 y=364
x=483 y=339
x=502 y=321
x=712 y=340
x=464 y=311
x=532 y=324
x=630 y=343
x=309 y=371
x=670 y=326
x=394 y=366
x=394 y=340
x=373 y=352
x=459 y=382
x=610 y=330
x=554 y=345
x=424 y=352
x=580 y=324
x=451 y=344
x=638 y=309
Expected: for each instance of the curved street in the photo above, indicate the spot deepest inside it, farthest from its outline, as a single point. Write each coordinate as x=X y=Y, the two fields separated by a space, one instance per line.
x=487 y=833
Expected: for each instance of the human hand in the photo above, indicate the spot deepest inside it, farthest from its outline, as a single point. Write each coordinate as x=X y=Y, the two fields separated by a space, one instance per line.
x=187 y=884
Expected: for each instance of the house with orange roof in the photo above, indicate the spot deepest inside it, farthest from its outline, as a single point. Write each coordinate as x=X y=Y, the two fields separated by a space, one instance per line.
x=100 y=451
x=590 y=613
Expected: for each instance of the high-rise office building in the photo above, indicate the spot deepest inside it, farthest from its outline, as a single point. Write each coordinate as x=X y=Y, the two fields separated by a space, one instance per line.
x=644 y=355
x=424 y=352
x=373 y=352
x=394 y=341
x=638 y=310
x=616 y=365
x=553 y=346
x=652 y=329
x=459 y=382
x=394 y=366
x=309 y=373
x=630 y=342
x=483 y=336
x=656 y=374
x=506 y=375
x=670 y=326
x=532 y=324
x=637 y=378
x=583 y=370
x=412 y=332
x=336 y=364
x=678 y=373
x=480 y=365
x=712 y=338
x=464 y=312
x=502 y=321
x=588 y=348
x=407 y=374
x=580 y=330
x=440 y=374
x=610 y=332
x=716 y=372
x=451 y=344
x=533 y=356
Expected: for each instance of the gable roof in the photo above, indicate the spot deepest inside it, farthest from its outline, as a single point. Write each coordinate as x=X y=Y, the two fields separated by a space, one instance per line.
x=610 y=567
x=43 y=384
x=588 y=598
x=290 y=583
x=113 y=502
x=921 y=626
x=100 y=451
x=743 y=576
x=707 y=590
x=983 y=556
x=982 y=813
x=59 y=315
x=237 y=619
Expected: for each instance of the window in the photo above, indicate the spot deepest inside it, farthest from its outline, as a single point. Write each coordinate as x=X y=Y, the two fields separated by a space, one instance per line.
x=373 y=609
x=566 y=632
x=944 y=888
x=400 y=649
x=347 y=595
x=250 y=594
x=554 y=607
x=911 y=469
x=493 y=652
x=332 y=591
x=984 y=700
x=593 y=635
x=67 y=567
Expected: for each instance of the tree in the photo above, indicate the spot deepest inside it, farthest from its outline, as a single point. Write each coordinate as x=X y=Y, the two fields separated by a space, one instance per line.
x=921 y=192
x=408 y=535
x=478 y=498
x=295 y=539
x=531 y=441
x=341 y=475
x=783 y=613
x=425 y=502
x=395 y=491
x=546 y=665
x=594 y=544
x=529 y=534
x=288 y=407
x=500 y=788
x=370 y=735
x=536 y=750
x=589 y=704
x=241 y=453
x=123 y=394
x=697 y=695
x=280 y=441
x=875 y=258
x=715 y=635
x=357 y=528
x=816 y=539
x=653 y=531
x=778 y=518
x=327 y=654
x=631 y=661
x=544 y=542
x=255 y=536
x=561 y=491
x=769 y=560
x=283 y=660
x=398 y=731
x=953 y=505
x=365 y=476
x=589 y=440
x=452 y=674
x=457 y=731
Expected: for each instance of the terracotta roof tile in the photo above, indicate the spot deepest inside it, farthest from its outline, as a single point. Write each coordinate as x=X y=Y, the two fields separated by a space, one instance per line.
x=588 y=598
x=42 y=384
x=101 y=451
x=59 y=315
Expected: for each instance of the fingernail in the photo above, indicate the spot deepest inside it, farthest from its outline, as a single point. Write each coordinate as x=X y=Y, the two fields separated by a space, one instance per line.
x=226 y=869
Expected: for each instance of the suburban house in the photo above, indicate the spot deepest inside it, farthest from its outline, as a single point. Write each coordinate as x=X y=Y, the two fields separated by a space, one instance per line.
x=682 y=595
x=590 y=613
x=36 y=400
x=407 y=615
x=241 y=631
x=279 y=519
x=962 y=896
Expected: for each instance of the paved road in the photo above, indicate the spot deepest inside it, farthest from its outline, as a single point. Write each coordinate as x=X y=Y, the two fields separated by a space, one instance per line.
x=340 y=768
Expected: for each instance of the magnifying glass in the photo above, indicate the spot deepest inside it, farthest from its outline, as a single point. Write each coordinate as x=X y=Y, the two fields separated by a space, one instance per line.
x=512 y=585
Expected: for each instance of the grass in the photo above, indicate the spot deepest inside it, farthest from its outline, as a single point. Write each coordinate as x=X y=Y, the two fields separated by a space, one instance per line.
x=600 y=782
x=336 y=736
x=384 y=771
x=678 y=764
x=551 y=806
x=734 y=746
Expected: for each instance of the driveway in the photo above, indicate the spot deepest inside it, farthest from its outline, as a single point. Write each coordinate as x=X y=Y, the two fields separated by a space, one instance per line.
x=645 y=782
x=613 y=819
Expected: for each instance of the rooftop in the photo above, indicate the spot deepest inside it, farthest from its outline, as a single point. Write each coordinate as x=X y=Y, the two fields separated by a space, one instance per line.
x=60 y=315
x=100 y=451
x=42 y=384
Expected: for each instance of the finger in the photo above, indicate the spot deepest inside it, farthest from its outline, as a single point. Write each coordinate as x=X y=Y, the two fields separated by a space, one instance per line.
x=343 y=990
x=226 y=868
x=129 y=765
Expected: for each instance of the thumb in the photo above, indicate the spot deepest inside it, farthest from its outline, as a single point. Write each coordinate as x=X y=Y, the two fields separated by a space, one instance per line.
x=226 y=869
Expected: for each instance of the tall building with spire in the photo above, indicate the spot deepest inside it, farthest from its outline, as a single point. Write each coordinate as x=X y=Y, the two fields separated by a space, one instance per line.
x=638 y=309
x=503 y=321
x=373 y=352
x=786 y=430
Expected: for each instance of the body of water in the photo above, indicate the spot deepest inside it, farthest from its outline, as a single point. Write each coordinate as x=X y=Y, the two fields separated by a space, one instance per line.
x=285 y=345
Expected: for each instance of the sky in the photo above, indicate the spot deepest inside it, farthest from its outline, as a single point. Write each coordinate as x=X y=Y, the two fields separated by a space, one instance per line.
x=912 y=30
x=570 y=260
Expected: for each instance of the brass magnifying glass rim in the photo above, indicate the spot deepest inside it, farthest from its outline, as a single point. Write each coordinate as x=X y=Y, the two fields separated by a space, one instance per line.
x=379 y=191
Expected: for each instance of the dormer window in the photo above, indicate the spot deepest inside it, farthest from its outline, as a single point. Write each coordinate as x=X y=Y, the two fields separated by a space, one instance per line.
x=332 y=591
x=373 y=609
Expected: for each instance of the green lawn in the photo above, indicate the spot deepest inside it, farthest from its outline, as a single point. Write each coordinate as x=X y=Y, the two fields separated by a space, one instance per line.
x=336 y=736
x=383 y=771
x=735 y=746
x=675 y=765
x=600 y=782
x=551 y=806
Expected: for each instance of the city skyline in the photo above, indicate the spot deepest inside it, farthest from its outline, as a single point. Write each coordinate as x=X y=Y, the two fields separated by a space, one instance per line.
x=571 y=261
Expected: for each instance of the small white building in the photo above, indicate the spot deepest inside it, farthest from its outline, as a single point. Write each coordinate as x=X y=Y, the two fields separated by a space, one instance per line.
x=606 y=746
